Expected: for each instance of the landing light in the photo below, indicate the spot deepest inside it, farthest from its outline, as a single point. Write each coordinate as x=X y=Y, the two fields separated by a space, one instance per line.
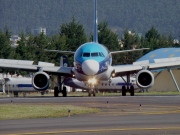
x=92 y=81
x=113 y=74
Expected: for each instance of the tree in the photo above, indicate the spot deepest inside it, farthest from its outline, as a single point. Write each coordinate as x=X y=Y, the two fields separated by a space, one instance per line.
x=74 y=35
x=41 y=42
x=5 y=45
x=57 y=43
x=152 y=39
x=21 y=48
x=131 y=40
x=108 y=38
x=31 y=47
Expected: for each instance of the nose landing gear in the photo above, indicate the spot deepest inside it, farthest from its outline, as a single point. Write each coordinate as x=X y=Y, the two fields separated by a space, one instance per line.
x=92 y=92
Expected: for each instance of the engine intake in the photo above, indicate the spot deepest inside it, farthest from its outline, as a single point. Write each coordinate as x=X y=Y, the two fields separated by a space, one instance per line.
x=144 y=79
x=40 y=81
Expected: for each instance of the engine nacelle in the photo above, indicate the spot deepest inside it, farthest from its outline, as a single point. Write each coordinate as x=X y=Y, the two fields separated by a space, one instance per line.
x=40 y=81
x=144 y=79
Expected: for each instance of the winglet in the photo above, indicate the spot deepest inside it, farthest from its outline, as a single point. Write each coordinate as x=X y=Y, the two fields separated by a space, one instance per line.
x=95 y=22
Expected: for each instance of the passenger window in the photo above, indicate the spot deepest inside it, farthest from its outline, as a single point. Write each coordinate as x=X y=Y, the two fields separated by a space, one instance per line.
x=95 y=54
x=86 y=54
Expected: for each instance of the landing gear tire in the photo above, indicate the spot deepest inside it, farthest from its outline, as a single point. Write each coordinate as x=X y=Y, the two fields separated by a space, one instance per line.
x=64 y=92
x=123 y=91
x=94 y=93
x=56 y=91
x=132 y=90
x=15 y=94
x=89 y=93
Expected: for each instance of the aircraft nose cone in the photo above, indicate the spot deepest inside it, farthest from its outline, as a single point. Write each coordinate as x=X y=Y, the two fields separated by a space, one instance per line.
x=90 y=67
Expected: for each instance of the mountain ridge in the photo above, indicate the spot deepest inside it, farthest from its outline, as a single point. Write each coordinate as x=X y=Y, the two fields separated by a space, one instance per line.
x=137 y=15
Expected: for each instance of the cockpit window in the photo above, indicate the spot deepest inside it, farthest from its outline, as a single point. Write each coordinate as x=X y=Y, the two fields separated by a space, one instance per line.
x=86 y=54
x=95 y=54
x=101 y=54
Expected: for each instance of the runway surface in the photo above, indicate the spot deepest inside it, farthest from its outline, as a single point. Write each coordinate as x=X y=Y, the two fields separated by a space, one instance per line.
x=138 y=115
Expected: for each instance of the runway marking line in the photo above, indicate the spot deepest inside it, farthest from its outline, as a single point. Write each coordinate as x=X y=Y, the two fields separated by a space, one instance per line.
x=98 y=130
x=140 y=112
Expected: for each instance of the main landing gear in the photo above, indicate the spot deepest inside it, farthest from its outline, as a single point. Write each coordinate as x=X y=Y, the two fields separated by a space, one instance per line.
x=56 y=91
x=130 y=90
x=61 y=87
x=127 y=88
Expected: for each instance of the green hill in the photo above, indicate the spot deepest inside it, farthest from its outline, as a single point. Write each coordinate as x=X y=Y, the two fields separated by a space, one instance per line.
x=138 y=15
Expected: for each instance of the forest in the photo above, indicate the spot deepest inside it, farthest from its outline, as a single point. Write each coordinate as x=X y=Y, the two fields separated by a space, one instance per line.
x=71 y=35
x=134 y=15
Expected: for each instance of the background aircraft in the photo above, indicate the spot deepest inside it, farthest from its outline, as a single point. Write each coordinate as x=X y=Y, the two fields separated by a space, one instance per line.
x=92 y=64
x=116 y=84
x=16 y=85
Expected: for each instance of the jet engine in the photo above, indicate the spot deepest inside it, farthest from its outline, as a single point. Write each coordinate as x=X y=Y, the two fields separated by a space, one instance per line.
x=40 y=81
x=144 y=79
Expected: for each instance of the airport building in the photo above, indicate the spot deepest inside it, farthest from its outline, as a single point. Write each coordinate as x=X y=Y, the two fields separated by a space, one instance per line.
x=39 y=30
x=14 y=39
x=165 y=79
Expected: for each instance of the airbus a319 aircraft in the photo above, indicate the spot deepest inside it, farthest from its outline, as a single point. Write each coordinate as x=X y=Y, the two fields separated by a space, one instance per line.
x=92 y=64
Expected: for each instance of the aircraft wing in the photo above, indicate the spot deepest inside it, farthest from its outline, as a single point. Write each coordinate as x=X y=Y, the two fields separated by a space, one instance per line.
x=28 y=66
x=122 y=70
x=132 y=50
x=58 y=51
x=163 y=63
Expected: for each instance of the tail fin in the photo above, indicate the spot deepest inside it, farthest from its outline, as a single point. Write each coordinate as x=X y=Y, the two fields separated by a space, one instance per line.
x=64 y=62
x=95 y=22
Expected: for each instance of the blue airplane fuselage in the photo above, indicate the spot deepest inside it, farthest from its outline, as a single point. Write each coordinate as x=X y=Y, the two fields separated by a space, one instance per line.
x=94 y=60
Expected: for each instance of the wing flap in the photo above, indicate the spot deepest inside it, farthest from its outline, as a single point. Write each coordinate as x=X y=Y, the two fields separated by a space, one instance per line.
x=58 y=70
x=10 y=61
x=126 y=68
x=44 y=64
x=18 y=66
x=28 y=66
x=159 y=64
x=164 y=65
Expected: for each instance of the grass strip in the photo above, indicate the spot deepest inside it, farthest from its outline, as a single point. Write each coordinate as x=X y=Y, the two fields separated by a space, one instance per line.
x=28 y=111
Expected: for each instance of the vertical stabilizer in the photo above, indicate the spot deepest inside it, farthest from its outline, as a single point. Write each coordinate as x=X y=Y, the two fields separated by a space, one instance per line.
x=95 y=22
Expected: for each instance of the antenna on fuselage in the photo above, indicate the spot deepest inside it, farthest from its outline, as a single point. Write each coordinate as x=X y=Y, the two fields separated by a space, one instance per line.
x=95 y=22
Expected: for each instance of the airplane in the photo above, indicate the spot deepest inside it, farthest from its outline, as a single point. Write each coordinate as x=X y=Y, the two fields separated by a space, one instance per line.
x=115 y=85
x=92 y=63
x=16 y=85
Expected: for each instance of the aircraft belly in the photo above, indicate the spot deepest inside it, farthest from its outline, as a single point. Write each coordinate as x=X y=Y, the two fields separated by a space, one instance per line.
x=103 y=76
